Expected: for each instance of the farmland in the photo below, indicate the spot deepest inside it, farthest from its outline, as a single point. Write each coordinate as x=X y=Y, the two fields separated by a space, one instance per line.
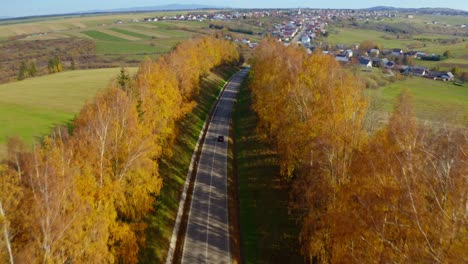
x=30 y=108
x=105 y=41
x=433 y=100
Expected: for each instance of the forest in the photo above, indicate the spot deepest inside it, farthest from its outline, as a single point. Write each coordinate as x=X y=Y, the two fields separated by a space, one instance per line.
x=397 y=194
x=83 y=193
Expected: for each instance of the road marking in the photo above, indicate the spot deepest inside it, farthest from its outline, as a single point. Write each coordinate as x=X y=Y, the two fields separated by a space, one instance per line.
x=225 y=100
x=209 y=200
x=196 y=176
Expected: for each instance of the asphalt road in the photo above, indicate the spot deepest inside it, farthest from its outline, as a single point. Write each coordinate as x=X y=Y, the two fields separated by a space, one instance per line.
x=207 y=236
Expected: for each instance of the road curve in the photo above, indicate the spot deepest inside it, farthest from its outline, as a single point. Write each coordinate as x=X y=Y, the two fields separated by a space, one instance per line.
x=207 y=235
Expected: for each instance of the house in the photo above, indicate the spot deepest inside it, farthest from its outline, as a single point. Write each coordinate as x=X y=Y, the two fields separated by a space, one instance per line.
x=378 y=62
x=348 y=53
x=405 y=70
x=374 y=52
x=444 y=76
x=386 y=52
x=411 y=53
x=420 y=54
x=419 y=71
x=397 y=52
x=365 y=63
x=305 y=40
x=448 y=76
x=389 y=65
x=342 y=59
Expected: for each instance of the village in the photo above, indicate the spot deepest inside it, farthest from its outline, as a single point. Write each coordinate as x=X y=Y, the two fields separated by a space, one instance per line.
x=308 y=27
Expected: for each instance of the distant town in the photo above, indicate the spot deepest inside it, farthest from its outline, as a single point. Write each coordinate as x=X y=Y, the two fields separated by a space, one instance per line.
x=304 y=26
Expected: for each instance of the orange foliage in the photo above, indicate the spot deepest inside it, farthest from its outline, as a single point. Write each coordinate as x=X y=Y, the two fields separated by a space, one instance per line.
x=85 y=195
x=396 y=196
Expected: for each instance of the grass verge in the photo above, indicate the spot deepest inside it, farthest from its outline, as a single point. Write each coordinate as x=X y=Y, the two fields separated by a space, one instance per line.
x=268 y=232
x=174 y=169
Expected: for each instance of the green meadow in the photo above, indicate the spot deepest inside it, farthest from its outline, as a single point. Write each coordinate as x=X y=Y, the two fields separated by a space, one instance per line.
x=32 y=107
x=432 y=100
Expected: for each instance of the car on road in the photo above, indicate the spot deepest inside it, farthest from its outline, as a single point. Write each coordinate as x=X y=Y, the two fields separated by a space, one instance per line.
x=220 y=138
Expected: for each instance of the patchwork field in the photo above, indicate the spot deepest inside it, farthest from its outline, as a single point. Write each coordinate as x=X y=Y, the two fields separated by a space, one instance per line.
x=122 y=37
x=30 y=108
x=49 y=24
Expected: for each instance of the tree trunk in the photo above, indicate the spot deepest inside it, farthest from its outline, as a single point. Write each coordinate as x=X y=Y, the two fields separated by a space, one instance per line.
x=6 y=235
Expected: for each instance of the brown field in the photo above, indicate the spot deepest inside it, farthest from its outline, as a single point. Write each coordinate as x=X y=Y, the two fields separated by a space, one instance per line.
x=45 y=37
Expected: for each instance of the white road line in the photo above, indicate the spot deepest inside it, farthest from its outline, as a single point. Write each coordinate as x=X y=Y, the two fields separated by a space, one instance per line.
x=230 y=85
x=209 y=202
x=196 y=176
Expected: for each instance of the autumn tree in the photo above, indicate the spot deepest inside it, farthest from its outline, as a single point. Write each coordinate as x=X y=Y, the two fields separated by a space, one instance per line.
x=397 y=195
x=32 y=71
x=10 y=196
x=367 y=45
x=23 y=71
x=55 y=65
x=83 y=197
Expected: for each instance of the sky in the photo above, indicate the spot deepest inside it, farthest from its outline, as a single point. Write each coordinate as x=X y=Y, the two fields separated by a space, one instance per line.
x=15 y=8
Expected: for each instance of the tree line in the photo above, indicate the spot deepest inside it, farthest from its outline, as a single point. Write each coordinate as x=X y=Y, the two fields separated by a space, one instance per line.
x=398 y=194
x=83 y=193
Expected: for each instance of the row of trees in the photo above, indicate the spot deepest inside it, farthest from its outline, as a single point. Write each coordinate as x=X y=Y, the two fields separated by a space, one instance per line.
x=27 y=69
x=82 y=195
x=396 y=195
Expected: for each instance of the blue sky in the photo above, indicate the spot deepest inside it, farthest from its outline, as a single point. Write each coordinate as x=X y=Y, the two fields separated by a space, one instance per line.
x=41 y=7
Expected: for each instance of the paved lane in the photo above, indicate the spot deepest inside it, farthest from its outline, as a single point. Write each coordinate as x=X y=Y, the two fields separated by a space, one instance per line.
x=207 y=237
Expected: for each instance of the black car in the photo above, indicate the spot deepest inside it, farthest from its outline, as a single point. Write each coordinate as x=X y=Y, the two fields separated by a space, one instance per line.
x=220 y=138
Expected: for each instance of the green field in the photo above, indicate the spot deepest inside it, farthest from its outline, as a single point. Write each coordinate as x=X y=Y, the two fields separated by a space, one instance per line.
x=101 y=36
x=130 y=33
x=428 y=43
x=268 y=233
x=30 y=108
x=350 y=36
x=433 y=100
x=51 y=24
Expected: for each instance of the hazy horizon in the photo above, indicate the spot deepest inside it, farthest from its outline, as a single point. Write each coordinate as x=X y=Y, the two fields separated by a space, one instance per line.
x=48 y=7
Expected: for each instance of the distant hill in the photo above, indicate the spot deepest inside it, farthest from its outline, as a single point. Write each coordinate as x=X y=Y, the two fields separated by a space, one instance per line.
x=423 y=10
x=170 y=7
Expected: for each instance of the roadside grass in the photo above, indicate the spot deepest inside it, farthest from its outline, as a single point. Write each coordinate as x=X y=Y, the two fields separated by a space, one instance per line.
x=173 y=169
x=435 y=101
x=268 y=233
x=30 y=108
x=102 y=36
